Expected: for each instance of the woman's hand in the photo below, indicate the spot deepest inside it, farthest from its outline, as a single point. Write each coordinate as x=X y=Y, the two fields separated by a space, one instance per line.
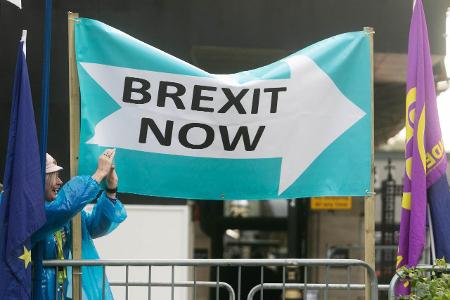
x=111 y=182
x=105 y=162
x=112 y=178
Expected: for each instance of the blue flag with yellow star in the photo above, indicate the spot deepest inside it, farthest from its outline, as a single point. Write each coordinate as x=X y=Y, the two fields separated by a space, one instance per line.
x=22 y=202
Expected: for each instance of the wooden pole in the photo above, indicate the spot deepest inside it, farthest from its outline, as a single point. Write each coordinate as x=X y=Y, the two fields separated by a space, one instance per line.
x=369 y=201
x=74 y=119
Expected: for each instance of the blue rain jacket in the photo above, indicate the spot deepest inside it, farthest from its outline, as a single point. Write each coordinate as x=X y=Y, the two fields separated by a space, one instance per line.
x=105 y=217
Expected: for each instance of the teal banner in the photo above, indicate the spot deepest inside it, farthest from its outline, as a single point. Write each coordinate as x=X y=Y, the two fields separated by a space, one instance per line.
x=299 y=127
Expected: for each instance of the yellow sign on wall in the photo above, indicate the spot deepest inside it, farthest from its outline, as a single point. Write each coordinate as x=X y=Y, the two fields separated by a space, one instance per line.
x=331 y=203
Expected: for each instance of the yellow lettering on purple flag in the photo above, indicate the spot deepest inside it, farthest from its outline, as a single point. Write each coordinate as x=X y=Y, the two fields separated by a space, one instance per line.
x=421 y=139
x=410 y=110
x=406 y=201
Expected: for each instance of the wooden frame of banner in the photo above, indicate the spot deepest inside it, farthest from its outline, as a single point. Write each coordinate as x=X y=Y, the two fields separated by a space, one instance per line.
x=74 y=119
x=369 y=201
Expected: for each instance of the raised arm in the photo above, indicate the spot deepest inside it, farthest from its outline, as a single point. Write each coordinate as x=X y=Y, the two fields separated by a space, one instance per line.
x=74 y=196
x=109 y=212
x=105 y=217
x=71 y=199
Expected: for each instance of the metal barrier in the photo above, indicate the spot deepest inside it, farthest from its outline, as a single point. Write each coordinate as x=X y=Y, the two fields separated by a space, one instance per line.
x=428 y=268
x=283 y=286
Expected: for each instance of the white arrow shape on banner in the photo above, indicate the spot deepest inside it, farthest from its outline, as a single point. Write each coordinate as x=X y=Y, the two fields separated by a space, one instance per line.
x=310 y=115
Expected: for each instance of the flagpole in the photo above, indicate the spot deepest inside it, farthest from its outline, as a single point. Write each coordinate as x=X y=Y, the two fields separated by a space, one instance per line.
x=24 y=40
x=430 y=226
x=369 y=201
x=45 y=83
x=38 y=249
x=74 y=119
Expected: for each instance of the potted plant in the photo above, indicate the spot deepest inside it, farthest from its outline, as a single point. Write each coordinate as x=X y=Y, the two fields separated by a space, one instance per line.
x=426 y=284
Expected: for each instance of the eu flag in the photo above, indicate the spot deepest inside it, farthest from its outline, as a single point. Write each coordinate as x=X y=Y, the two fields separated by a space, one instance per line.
x=22 y=202
x=426 y=161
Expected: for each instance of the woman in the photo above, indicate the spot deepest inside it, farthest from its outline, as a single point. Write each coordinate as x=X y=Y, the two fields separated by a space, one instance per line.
x=64 y=202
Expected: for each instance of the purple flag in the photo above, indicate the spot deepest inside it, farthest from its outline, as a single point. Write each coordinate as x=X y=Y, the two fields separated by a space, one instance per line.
x=424 y=153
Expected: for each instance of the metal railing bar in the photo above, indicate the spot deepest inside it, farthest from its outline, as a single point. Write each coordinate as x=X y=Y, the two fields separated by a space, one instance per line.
x=239 y=282
x=126 y=281
x=169 y=284
x=217 y=281
x=262 y=284
x=349 y=291
x=172 y=289
x=301 y=286
x=208 y=262
x=373 y=282
x=305 y=280
x=194 y=290
x=284 y=283
x=320 y=286
x=392 y=284
x=149 y=282
x=103 y=281
x=267 y=286
x=208 y=284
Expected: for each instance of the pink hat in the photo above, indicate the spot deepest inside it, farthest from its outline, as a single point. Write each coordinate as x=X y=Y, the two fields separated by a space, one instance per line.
x=50 y=164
